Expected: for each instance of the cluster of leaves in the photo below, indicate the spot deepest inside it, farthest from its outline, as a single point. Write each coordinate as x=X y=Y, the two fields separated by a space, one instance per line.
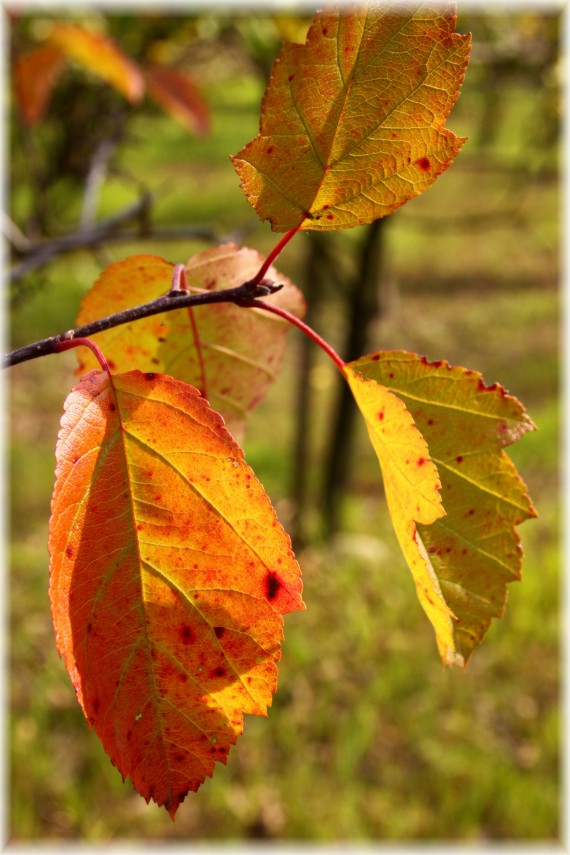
x=170 y=572
x=38 y=70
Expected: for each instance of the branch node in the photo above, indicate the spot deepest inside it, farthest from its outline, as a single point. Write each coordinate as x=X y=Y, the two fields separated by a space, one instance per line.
x=253 y=290
x=267 y=287
x=67 y=336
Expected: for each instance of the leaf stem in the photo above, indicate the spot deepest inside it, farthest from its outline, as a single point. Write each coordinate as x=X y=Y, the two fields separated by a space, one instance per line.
x=273 y=254
x=70 y=341
x=309 y=331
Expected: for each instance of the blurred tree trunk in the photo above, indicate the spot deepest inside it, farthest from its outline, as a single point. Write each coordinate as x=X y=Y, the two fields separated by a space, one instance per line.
x=317 y=269
x=363 y=305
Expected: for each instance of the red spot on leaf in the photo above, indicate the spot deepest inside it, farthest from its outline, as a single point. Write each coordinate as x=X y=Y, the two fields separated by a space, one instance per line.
x=375 y=357
x=150 y=376
x=459 y=458
x=272 y=585
x=381 y=415
x=219 y=631
x=421 y=461
x=424 y=164
x=69 y=551
x=187 y=635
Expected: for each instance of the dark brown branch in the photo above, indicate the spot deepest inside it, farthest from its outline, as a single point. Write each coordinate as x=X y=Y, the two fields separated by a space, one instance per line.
x=242 y=295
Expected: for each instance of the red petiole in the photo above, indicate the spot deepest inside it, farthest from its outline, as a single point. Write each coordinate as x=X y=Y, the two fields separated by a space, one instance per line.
x=309 y=331
x=68 y=343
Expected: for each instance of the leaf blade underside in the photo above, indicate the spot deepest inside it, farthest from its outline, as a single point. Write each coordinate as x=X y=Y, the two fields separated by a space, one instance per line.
x=352 y=121
x=169 y=577
x=231 y=354
x=474 y=550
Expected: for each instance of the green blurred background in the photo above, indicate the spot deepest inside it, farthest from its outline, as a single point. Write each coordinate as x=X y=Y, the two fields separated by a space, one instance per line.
x=369 y=737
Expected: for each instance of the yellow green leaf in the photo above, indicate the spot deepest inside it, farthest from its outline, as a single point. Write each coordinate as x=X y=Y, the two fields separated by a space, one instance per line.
x=411 y=484
x=352 y=121
x=474 y=550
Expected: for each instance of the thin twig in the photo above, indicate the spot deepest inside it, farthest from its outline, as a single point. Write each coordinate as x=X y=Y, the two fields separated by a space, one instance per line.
x=95 y=178
x=242 y=295
x=13 y=234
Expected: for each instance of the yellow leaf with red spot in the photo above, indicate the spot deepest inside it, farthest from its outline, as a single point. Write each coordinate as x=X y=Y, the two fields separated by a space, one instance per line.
x=231 y=354
x=474 y=550
x=99 y=55
x=169 y=577
x=411 y=484
x=352 y=121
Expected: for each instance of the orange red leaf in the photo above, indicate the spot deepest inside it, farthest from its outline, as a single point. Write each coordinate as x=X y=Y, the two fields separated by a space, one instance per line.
x=169 y=577
x=179 y=95
x=101 y=56
x=36 y=72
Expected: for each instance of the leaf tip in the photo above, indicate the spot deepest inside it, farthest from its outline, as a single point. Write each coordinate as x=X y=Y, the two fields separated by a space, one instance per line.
x=452 y=658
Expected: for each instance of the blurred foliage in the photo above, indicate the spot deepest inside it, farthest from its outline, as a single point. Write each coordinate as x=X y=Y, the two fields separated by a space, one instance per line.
x=368 y=738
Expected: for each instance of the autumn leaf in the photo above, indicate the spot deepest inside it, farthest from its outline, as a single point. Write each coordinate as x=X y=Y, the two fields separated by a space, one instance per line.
x=35 y=74
x=474 y=550
x=178 y=94
x=411 y=483
x=231 y=354
x=169 y=577
x=352 y=121
x=99 y=55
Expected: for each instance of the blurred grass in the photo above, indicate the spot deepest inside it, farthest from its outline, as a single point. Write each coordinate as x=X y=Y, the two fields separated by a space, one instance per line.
x=369 y=738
